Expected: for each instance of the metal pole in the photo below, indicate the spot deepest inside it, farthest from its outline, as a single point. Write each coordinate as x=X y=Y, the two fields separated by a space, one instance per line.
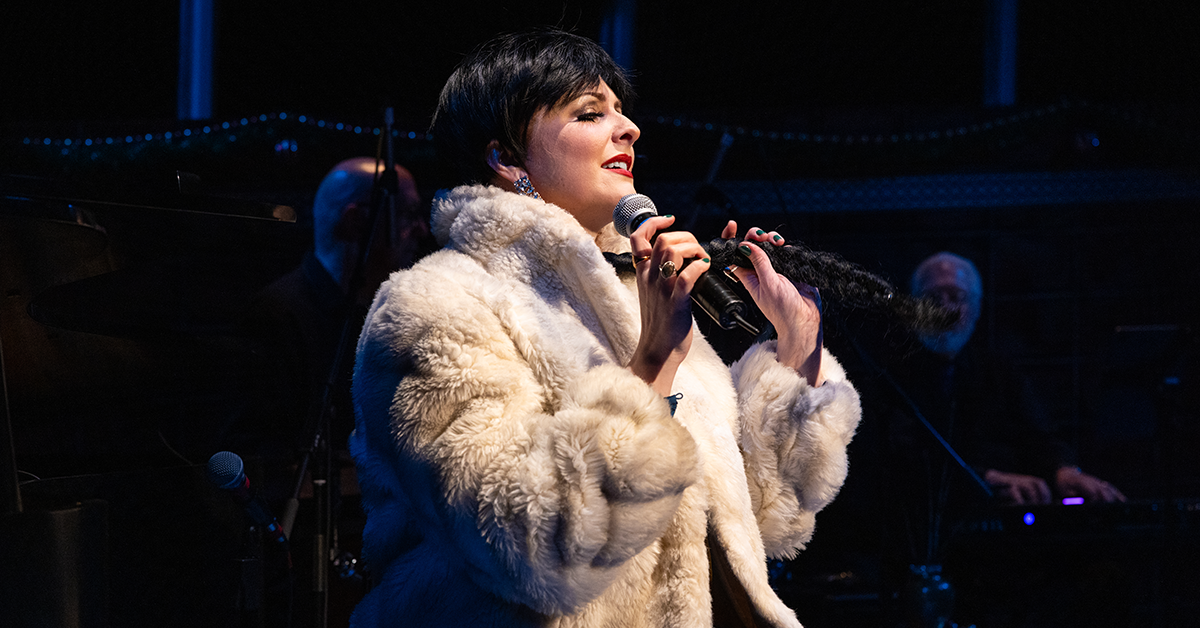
x=617 y=31
x=1000 y=54
x=195 y=92
x=10 y=489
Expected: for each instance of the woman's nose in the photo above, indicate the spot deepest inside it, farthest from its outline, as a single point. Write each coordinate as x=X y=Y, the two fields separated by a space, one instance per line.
x=627 y=131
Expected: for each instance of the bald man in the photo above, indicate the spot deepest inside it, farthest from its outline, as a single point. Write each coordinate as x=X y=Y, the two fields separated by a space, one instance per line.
x=301 y=314
x=340 y=213
x=297 y=322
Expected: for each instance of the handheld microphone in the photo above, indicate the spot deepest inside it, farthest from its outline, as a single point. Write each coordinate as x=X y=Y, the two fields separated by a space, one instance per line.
x=712 y=295
x=227 y=471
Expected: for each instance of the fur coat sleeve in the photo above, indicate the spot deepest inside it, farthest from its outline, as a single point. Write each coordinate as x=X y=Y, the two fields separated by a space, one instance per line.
x=793 y=439
x=545 y=477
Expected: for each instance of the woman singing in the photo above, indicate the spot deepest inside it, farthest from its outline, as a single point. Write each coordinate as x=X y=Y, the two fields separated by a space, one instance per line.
x=543 y=441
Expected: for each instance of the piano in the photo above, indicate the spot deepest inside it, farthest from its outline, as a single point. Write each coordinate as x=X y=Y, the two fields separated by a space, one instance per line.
x=120 y=353
x=1140 y=520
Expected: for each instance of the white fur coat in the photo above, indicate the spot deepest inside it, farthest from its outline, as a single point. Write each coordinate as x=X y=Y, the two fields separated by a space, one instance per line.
x=515 y=473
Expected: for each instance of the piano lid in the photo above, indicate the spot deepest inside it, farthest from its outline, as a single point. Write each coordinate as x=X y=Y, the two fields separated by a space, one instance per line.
x=58 y=199
x=120 y=317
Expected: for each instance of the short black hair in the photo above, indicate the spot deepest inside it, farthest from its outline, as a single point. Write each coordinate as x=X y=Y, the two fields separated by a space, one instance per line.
x=498 y=88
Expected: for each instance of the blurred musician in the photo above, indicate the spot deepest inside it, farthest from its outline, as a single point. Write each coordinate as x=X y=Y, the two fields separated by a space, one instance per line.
x=986 y=409
x=301 y=314
x=985 y=404
x=299 y=318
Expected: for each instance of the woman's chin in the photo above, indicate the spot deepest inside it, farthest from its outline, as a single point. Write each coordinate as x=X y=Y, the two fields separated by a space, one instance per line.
x=621 y=192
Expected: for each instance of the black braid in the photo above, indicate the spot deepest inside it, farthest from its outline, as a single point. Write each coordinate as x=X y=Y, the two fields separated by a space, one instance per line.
x=843 y=285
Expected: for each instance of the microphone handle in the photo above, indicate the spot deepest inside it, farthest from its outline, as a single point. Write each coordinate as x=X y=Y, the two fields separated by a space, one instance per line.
x=710 y=294
x=258 y=512
x=256 y=509
x=721 y=303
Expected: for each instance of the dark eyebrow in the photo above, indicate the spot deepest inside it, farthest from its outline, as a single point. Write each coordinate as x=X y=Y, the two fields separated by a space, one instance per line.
x=598 y=95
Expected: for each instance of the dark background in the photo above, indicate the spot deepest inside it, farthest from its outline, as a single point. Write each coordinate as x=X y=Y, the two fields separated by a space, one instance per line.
x=79 y=70
x=75 y=61
x=1079 y=202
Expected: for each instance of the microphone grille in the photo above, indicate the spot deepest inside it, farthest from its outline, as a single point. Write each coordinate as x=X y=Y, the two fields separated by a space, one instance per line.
x=631 y=211
x=225 y=469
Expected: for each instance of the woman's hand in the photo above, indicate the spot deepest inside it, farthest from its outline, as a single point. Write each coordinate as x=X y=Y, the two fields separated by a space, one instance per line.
x=793 y=308
x=665 y=305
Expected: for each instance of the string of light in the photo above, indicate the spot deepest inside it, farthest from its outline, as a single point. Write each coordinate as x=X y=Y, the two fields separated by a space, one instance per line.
x=230 y=127
x=214 y=129
x=1000 y=121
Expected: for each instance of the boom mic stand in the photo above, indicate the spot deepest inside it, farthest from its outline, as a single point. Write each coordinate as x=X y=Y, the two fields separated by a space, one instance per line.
x=319 y=454
x=927 y=598
x=977 y=481
x=10 y=489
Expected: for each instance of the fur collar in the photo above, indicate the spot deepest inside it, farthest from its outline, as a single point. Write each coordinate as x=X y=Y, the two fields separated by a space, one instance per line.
x=478 y=219
x=536 y=243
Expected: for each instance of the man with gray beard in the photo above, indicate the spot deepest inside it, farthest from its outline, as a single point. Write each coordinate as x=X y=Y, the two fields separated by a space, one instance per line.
x=1035 y=462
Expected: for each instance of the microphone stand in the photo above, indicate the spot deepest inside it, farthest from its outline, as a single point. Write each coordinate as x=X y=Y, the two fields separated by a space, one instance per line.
x=977 y=481
x=10 y=487
x=319 y=453
x=925 y=596
x=708 y=193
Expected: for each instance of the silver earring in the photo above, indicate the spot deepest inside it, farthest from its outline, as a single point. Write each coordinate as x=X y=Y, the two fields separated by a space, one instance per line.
x=525 y=186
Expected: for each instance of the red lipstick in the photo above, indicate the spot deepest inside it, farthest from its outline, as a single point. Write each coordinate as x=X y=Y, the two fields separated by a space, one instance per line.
x=624 y=159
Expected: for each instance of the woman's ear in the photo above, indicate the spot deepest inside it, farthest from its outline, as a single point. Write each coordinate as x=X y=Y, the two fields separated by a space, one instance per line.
x=498 y=159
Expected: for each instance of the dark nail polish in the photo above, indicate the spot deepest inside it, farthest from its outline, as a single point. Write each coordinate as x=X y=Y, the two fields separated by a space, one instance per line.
x=760 y=232
x=668 y=215
x=778 y=238
x=744 y=250
x=705 y=260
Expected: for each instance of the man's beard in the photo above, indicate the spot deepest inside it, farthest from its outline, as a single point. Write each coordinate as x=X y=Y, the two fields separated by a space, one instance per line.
x=949 y=343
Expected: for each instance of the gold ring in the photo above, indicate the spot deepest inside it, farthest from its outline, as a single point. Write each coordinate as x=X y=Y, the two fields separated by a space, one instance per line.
x=667 y=269
x=638 y=259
